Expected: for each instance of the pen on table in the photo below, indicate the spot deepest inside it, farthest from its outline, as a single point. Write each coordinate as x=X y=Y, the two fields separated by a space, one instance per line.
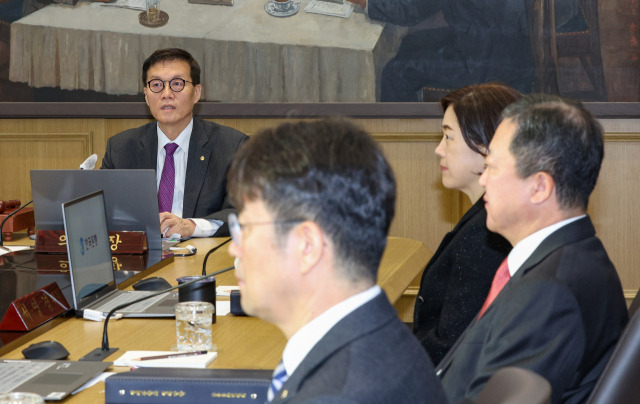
x=170 y=356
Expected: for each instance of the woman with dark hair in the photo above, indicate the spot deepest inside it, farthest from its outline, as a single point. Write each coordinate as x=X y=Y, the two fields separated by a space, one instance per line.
x=457 y=279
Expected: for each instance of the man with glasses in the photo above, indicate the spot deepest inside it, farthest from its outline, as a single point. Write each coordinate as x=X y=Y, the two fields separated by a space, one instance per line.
x=191 y=156
x=315 y=202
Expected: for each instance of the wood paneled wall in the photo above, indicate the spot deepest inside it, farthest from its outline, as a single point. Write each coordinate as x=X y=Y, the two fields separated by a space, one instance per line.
x=425 y=210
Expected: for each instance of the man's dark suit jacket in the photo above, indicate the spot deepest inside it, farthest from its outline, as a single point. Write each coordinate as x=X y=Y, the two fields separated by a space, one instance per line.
x=456 y=282
x=368 y=357
x=211 y=149
x=559 y=316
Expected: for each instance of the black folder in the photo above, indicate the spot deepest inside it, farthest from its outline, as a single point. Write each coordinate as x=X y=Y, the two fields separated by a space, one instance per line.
x=176 y=385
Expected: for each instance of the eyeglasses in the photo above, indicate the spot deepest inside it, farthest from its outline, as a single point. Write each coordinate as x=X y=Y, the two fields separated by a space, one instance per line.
x=176 y=85
x=235 y=227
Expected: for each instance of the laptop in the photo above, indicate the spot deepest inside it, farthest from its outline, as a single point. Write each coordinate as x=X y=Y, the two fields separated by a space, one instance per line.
x=53 y=380
x=131 y=198
x=91 y=269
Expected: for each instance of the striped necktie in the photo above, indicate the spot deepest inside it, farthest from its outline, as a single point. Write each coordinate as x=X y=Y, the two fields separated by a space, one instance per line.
x=279 y=377
x=167 y=180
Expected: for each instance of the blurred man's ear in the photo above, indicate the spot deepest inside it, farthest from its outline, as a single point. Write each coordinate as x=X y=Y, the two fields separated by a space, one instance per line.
x=310 y=245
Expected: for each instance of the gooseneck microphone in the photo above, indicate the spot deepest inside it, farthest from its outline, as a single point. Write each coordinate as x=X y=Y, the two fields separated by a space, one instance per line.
x=99 y=354
x=211 y=251
x=8 y=216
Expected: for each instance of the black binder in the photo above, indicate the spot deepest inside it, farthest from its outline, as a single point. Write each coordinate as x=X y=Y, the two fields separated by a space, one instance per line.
x=175 y=385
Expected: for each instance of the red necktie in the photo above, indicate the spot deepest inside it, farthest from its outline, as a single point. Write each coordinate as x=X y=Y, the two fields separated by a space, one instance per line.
x=500 y=279
x=167 y=180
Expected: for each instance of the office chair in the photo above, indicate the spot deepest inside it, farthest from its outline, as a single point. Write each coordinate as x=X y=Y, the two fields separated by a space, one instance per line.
x=549 y=45
x=618 y=383
x=511 y=385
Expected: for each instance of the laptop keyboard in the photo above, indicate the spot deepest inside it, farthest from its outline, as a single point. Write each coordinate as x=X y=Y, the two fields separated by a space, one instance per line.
x=123 y=298
x=13 y=374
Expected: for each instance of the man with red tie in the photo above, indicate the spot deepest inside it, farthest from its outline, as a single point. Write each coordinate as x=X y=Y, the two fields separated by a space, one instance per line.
x=556 y=305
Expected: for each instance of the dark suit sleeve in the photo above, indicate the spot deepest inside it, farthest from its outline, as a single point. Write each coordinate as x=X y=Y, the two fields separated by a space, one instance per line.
x=402 y=12
x=226 y=208
x=106 y=160
x=330 y=400
x=554 y=350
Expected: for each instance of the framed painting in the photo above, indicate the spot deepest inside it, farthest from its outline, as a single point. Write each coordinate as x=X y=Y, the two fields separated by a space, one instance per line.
x=92 y=51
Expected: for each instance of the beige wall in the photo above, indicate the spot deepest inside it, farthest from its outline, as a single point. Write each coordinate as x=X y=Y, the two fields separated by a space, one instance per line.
x=425 y=210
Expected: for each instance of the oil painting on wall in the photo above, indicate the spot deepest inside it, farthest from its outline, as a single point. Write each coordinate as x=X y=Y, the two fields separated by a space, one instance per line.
x=398 y=51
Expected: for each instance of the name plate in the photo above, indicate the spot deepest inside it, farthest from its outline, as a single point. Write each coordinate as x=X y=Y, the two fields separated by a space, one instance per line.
x=28 y=312
x=59 y=263
x=122 y=242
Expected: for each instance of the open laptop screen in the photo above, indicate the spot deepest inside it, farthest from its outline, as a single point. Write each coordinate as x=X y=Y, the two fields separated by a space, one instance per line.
x=85 y=223
x=131 y=198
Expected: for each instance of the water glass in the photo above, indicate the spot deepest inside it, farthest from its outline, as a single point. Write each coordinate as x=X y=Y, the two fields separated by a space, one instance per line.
x=153 y=11
x=193 y=326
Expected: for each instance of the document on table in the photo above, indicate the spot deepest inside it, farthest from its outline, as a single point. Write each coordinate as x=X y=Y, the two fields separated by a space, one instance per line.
x=131 y=359
x=132 y=4
x=330 y=8
x=11 y=248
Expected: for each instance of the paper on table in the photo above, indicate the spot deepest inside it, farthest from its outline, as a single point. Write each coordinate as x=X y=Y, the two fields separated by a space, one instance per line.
x=11 y=248
x=223 y=307
x=95 y=380
x=330 y=8
x=193 y=361
x=132 y=4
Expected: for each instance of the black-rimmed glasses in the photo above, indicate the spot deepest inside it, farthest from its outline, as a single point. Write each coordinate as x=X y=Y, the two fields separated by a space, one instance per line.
x=235 y=227
x=176 y=85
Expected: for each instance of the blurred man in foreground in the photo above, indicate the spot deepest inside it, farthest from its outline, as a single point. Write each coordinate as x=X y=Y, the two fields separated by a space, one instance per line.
x=316 y=200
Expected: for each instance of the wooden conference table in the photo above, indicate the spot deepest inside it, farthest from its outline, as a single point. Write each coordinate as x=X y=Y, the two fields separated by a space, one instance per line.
x=245 y=54
x=243 y=342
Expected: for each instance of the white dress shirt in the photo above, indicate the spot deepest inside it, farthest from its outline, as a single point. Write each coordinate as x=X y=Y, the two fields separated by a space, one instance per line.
x=204 y=227
x=301 y=343
x=523 y=250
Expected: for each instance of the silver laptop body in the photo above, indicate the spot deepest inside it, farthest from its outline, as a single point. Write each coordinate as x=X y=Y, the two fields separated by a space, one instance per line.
x=91 y=267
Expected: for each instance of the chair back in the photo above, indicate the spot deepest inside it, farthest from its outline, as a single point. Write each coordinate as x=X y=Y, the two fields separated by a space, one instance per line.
x=618 y=383
x=511 y=385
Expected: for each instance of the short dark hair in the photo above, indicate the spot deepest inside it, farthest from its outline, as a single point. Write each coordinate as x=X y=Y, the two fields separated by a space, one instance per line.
x=560 y=137
x=327 y=171
x=478 y=109
x=166 y=55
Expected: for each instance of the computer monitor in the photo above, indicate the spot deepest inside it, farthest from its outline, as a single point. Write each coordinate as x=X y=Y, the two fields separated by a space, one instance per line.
x=131 y=198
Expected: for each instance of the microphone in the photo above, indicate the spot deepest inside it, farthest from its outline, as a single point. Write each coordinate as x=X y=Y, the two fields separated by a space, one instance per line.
x=89 y=163
x=211 y=251
x=99 y=354
x=8 y=216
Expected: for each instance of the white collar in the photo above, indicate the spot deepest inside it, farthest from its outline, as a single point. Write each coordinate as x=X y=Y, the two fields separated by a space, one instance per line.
x=523 y=250
x=301 y=343
x=182 y=140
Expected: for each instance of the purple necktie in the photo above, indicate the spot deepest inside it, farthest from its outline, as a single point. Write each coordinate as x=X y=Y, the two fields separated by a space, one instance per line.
x=167 y=180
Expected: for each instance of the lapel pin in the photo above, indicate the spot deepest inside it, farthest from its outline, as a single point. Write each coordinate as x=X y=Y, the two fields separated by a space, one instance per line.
x=201 y=158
